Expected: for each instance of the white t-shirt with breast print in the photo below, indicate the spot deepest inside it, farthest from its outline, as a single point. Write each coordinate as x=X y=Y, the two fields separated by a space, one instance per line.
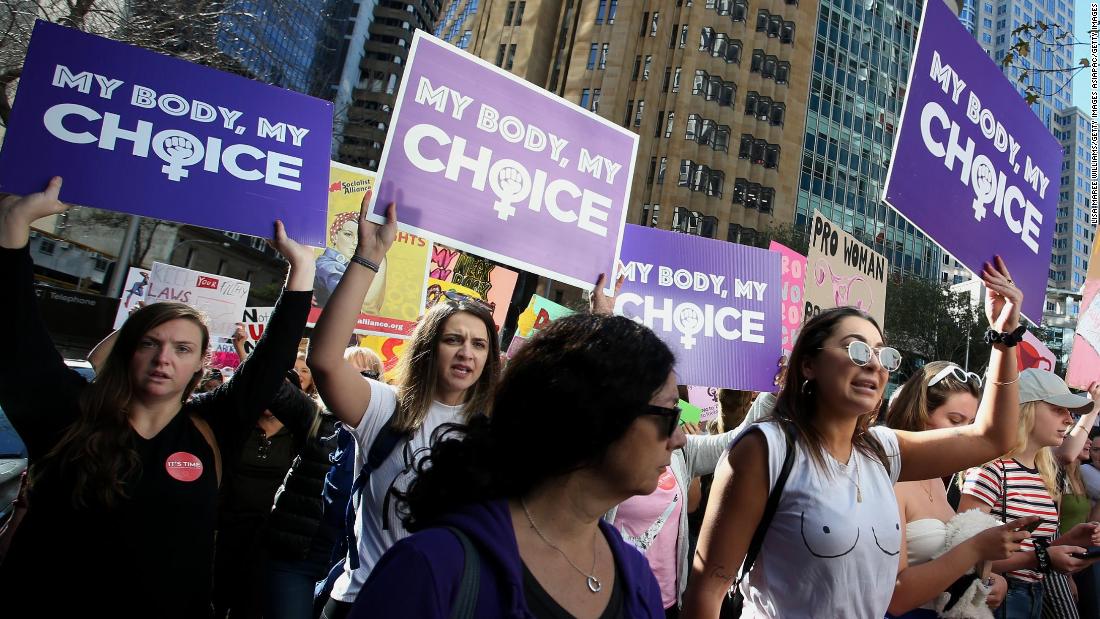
x=826 y=553
x=373 y=534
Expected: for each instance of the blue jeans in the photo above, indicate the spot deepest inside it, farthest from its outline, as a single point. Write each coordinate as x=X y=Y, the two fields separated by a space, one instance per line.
x=290 y=585
x=1024 y=600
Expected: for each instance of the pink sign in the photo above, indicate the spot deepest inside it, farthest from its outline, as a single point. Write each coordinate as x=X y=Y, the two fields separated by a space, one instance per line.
x=794 y=277
x=1032 y=353
x=706 y=398
x=1084 y=362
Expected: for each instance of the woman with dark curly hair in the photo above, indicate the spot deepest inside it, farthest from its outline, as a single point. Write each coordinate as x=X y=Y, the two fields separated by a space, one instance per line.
x=584 y=417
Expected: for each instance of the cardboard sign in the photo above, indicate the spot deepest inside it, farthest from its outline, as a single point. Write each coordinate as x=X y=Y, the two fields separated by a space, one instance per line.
x=133 y=292
x=139 y=132
x=794 y=290
x=1033 y=353
x=717 y=305
x=396 y=296
x=706 y=398
x=486 y=162
x=221 y=298
x=471 y=275
x=973 y=167
x=842 y=272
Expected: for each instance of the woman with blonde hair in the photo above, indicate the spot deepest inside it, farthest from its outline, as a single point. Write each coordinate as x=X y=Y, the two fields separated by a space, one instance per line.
x=446 y=375
x=1024 y=483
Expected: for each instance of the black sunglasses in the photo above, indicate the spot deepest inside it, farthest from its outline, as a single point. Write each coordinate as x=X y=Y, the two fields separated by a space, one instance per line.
x=670 y=415
x=369 y=374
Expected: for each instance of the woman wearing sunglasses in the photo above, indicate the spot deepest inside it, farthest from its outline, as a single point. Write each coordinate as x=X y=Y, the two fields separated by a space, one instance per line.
x=447 y=374
x=584 y=418
x=941 y=395
x=831 y=549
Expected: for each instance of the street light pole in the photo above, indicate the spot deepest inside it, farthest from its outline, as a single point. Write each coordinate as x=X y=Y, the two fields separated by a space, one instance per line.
x=122 y=267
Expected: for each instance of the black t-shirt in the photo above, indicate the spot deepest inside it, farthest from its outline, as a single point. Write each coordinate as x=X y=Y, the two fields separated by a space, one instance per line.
x=150 y=555
x=543 y=606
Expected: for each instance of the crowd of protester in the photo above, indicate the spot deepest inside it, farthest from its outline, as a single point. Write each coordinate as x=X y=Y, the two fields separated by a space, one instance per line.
x=560 y=483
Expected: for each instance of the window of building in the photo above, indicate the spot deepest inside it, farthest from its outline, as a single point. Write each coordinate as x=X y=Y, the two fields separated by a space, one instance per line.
x=511 y=56
x=600 y=11
x=653 y=23
x=603 y=55
x=638 y=114
x=595 y=99
x=585 y=98
x=669 y=123
x=645 y=67
x=592 y=55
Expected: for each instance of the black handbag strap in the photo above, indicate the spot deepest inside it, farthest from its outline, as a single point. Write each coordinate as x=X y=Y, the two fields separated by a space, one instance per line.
x=465 y=603
x=769 y=509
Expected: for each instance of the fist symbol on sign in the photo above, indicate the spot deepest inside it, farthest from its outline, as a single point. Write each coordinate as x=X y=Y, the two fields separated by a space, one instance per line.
x=178 y=149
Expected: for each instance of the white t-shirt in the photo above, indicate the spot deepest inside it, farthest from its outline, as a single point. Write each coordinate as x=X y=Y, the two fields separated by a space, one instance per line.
x=827 y=554
x=396 y=471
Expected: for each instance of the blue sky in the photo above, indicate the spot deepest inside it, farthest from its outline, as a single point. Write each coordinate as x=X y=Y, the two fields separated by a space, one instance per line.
x=1081 y=87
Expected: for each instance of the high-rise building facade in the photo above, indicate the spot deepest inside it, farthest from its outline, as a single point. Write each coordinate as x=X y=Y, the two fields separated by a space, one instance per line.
x=388 y=26
x=716 y=90
x=859 y=71
x=1074 y=232
x=992 y=23
x=295 y=45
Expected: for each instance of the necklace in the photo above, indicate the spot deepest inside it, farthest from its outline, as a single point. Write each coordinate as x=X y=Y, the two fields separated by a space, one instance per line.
x=594 y=584
x=927 y=491
x=859 y=490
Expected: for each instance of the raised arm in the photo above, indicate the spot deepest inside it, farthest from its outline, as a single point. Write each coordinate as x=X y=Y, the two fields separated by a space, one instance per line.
x=938 y=453
x=342 y=388
x=38 y=392
x=736 y=505
x=1076 y=437
x=234 y=407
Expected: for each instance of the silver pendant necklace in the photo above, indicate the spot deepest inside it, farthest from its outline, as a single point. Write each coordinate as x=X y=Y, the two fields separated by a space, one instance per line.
x=594 y=584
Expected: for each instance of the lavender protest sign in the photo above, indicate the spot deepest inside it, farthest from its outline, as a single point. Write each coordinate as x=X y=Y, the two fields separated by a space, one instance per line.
x=972 y=162
x=484 y=161
x=716 y=304
x=144 y=133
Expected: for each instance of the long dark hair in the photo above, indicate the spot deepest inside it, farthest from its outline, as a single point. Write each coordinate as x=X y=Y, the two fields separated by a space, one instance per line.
x=97 y=451
x=417 y=371
x=797 y=401
x=572 y=391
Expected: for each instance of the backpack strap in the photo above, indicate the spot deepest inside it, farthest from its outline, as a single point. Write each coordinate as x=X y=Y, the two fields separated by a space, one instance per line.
x=208 y=434
x=380 y=449
x=769 y=509
x=465 y=602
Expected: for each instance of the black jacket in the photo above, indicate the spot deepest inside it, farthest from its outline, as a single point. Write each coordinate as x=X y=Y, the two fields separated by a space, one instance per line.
x=296 y=518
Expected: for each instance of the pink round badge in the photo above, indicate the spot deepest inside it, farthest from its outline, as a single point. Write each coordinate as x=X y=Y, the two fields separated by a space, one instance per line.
x=183 y=466
x=667 y=481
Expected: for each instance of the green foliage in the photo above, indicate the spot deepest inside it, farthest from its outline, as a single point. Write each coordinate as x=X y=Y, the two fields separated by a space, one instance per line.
x=927 y=322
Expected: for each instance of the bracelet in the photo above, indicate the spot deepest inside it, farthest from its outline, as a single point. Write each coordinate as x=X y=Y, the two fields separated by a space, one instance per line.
x=361 y=261
x=1007 y=338
x=1007 y=382
x=1042 y=556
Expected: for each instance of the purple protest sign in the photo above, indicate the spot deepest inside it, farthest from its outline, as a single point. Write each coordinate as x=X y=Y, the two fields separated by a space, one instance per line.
x=973 y=167
x=486 y=162
x=718 y=305
x=139 y=132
